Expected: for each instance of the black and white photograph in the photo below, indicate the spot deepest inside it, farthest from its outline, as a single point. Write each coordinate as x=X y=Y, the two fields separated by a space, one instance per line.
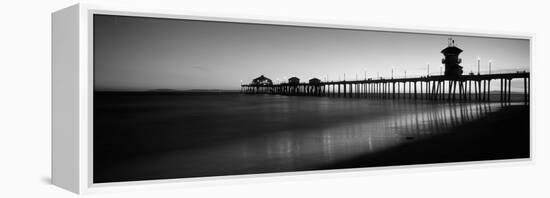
x=275 y=99
x=182 y=98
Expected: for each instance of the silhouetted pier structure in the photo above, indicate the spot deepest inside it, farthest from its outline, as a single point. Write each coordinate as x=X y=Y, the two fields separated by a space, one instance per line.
x=450 y=86
x=464 y=88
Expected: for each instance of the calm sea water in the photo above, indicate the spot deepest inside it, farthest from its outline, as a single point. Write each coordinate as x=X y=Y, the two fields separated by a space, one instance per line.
x=172 y=136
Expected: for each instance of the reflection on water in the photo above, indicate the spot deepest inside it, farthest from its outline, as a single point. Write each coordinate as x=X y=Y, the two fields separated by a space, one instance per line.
x=346 y=128
x=312 y=148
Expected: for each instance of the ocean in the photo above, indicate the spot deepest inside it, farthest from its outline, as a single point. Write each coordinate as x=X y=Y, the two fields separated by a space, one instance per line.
x=142 y=136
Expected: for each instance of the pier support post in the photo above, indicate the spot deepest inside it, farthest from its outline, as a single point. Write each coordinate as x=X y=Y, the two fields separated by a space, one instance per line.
x=505 y=91
x=339 y=89
x=345 y=90
x=501 y=90
x=380 y=90
x=489 y=90
x=469 y=90
x=410 y=90
x=509 y=90
x=415 y=90
x=478 y=90
x=484 y=94
x=427 y=95
x=393 y=90
x=405 y=94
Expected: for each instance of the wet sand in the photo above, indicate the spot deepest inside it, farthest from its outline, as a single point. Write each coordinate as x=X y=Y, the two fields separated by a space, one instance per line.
x=500 y=135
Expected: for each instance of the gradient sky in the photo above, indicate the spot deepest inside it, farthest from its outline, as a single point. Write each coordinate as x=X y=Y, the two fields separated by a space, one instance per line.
x=135 y=53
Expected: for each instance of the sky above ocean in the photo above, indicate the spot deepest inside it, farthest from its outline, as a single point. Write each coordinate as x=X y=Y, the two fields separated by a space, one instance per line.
x=136 y=53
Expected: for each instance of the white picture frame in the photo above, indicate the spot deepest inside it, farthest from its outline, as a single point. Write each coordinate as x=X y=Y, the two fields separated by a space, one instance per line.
x=72 y=91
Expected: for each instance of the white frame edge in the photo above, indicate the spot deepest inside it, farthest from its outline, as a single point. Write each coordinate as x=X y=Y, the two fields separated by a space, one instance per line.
x=65 y=101
x=72 y=100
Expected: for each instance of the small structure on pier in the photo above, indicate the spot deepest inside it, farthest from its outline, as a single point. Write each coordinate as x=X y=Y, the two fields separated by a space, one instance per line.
x=262 y=80
x=314 y=81
x=294 y=81
x=451 y=60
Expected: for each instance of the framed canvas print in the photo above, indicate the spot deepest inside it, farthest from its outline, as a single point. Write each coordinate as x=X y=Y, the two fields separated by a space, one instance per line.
x=145 y=96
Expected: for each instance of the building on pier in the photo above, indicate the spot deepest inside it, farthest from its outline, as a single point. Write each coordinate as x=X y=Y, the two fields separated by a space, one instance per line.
x=293 y=81
x=451 y=60
x=262 y=80
x=314 y=81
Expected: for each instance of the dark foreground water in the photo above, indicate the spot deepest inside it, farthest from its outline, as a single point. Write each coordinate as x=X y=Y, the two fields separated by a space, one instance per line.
x=161 y=136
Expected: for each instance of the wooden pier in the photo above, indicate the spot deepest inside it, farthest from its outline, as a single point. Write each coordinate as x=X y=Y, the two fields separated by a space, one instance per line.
x=472 y=87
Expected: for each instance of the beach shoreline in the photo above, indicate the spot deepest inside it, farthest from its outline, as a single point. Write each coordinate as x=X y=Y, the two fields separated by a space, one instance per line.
x=500 y=135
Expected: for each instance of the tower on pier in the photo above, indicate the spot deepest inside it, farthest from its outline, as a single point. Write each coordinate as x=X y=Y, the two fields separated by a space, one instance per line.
x=451 y=60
